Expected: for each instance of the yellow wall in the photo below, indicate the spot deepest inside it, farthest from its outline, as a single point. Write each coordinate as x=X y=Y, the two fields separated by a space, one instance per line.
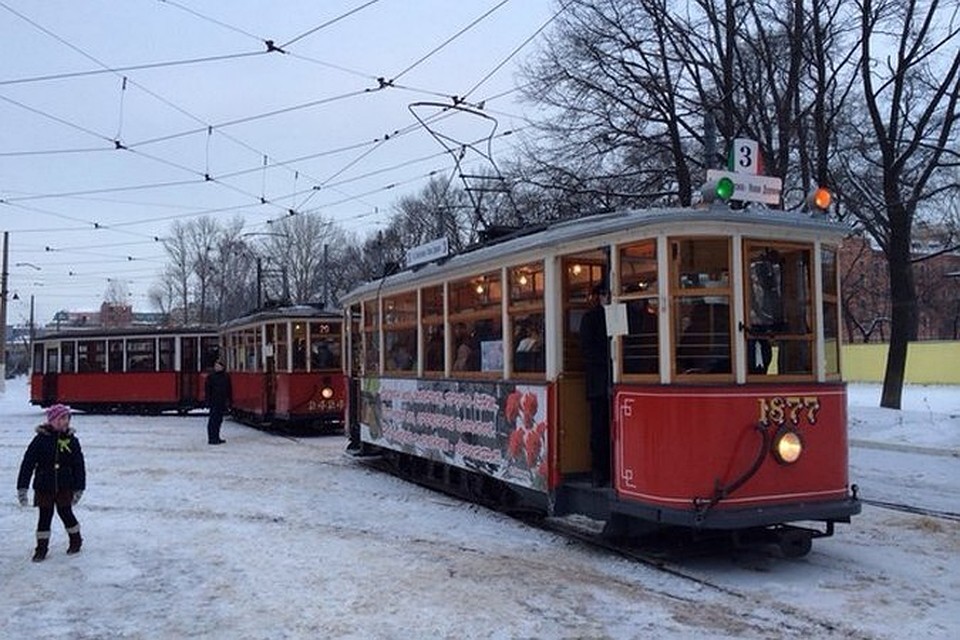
x=933 y=362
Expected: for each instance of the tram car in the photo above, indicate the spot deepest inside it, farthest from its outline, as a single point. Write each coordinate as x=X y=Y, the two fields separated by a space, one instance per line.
x=131 y=370
x=285 y=367
x=720 y=409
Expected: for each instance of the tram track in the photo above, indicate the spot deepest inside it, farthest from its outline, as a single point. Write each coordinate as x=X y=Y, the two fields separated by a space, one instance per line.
x=907 y=508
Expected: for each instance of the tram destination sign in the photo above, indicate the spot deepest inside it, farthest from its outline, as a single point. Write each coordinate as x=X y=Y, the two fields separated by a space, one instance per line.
x=434 y=250
x=749 y=187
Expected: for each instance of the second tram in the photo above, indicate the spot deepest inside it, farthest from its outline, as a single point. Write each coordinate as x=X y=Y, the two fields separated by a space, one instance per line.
x=727 y=412
x=130 y=370
x=285 y=367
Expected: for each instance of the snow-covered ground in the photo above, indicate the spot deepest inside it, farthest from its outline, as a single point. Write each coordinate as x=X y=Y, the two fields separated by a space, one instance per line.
x=272 y=537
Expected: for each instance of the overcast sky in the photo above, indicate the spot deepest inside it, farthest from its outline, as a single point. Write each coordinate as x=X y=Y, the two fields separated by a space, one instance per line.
x=239 y=131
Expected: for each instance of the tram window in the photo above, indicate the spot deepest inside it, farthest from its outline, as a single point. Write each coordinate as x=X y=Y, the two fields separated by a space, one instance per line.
x=526 y=317
x=704 y=329
x=371 y=337
x=91 y=355
x=53 y=361
x=779 y=306
x=400 y=332
x=38 y=358
x=166 y=350
x=299 y=346
x=476 y=317
x=528 y=343
x=324 y=345
x=141 y=354
x=67 y=357
x=831 y=328
x=209 y=352
x=434 y=337
x=250 y=349
x=280 y=346
x=700 y=269
x=581 y=272
x=638 y=290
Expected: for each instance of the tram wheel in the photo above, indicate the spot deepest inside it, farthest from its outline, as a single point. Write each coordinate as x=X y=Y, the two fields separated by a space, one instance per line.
x=795 y=543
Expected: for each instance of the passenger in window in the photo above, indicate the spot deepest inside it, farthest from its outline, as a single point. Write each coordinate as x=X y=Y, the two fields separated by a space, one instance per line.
x=595 y=348
x=465 y=350
x=322 y=357
x=434 y=350
x=401 y=357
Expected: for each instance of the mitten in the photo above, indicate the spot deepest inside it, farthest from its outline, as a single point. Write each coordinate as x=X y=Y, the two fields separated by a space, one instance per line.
x=77 y=495
x=22 y=496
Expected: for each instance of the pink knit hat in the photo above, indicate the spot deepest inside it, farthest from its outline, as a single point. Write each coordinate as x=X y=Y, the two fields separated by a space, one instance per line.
x=56 y=411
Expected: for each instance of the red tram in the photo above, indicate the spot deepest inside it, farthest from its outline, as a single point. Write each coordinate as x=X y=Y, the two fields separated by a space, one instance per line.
x=285 y=367
x=728 y=409
x=128 y=370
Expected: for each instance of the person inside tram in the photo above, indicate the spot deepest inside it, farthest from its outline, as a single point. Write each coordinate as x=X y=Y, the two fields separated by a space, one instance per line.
x=595 y=349
x=465 y=351
x=529 y=348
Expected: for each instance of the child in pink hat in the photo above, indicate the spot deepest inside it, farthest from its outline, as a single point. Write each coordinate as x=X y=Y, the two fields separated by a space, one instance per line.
x=55 y=461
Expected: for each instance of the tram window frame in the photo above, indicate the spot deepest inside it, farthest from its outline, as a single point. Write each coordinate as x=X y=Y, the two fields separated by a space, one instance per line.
x=166 y=351
x=326 y=345
x=68 y=361
x=91 y=360
x=399 y=322
x=141 y=354
x=581 y=273
x=115 y=355
x=209 y=351
x=433 y=330
x=525 y=311
x=829 y=274
x=701 y=299
x=371 y=337
x=38 y=364
x=280 y=347
x=476 y=324
x=785 y=343
x=298 y=340
x=639 y=289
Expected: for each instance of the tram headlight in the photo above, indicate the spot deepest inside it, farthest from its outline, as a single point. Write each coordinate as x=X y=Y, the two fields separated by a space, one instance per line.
x=787 y=446
x=326 y=393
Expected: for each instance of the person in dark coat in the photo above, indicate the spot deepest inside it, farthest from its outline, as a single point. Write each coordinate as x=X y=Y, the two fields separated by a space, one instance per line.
x=219 y=397
x=55 y=460
x=595 y=348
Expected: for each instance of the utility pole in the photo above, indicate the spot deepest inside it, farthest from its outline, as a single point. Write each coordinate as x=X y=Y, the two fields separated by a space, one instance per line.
x=3 y=313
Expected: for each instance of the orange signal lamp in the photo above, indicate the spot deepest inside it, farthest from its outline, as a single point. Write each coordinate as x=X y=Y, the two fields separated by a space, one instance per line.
x=820 y=199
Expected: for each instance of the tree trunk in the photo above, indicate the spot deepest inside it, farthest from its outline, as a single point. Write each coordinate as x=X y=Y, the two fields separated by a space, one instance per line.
x=903 y=320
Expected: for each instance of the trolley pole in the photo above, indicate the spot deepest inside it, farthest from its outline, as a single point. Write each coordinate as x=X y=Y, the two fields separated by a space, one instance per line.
x=3 y=313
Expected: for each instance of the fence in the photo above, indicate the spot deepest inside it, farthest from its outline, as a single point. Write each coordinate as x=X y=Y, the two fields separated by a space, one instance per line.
x=933 y=362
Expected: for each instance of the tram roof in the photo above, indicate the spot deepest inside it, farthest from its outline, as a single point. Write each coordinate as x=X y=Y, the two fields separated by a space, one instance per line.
x=90 y=333
x=548 y=238
x=290 y=312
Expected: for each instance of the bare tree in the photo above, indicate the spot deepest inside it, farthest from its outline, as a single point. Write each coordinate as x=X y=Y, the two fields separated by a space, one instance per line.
x=910 y=68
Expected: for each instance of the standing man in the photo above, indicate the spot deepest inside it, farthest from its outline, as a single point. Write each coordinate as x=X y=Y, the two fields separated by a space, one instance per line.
x=219 y=396
x=595 y=348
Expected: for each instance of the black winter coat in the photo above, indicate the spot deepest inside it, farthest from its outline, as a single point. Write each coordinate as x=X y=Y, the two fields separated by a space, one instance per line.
x=55 y=460
x=218 y=391
x=595 y=349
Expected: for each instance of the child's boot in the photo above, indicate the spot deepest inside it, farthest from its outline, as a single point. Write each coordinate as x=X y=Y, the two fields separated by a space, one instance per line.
x=43 y=543
x=75 y=539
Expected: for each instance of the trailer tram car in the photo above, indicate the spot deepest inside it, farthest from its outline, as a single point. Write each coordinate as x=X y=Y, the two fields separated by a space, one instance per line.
x=728 y=409
x=131 y=370
x=285 y=367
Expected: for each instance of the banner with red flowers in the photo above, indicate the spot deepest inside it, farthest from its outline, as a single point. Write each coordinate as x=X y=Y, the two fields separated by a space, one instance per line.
x=496 y=428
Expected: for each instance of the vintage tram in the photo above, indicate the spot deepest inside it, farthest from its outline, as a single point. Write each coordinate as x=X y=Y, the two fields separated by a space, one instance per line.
x=128 y=370
x=728 y=412
x=285 y=367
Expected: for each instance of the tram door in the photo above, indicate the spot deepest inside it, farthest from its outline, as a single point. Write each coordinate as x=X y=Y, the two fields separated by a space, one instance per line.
x=581 y=272
x=51 y=371
x=270 y=371
x=189 y=369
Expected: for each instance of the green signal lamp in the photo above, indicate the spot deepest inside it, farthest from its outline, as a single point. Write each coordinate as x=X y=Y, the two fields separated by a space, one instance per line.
x=724 y=188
